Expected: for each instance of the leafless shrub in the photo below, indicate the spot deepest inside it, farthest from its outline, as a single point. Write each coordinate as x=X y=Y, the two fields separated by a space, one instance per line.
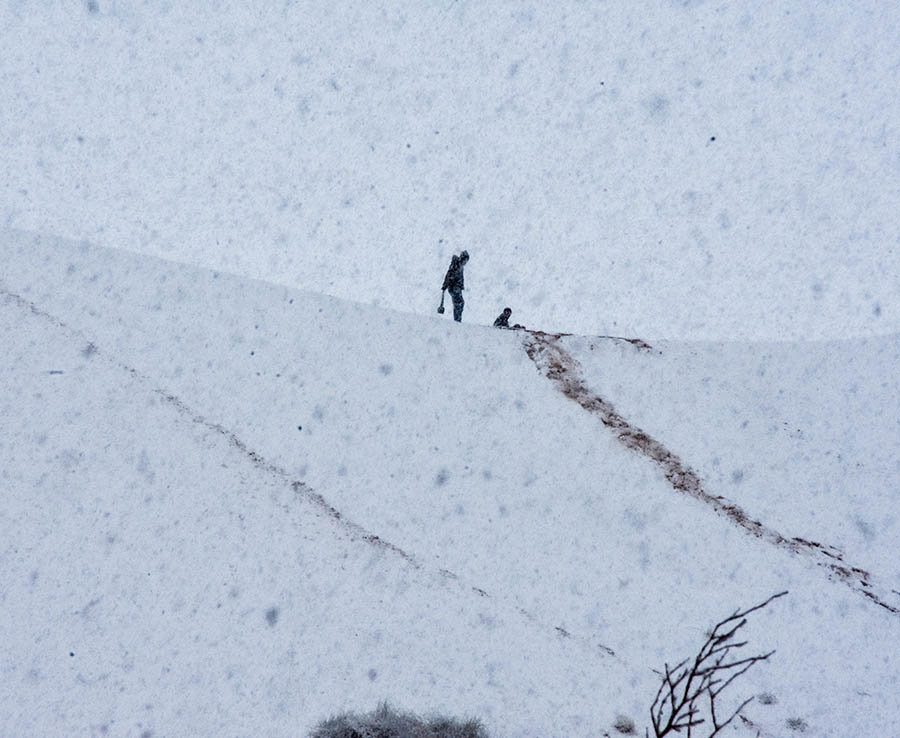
x=386 y=722
x=625 y=725
x=689 y=693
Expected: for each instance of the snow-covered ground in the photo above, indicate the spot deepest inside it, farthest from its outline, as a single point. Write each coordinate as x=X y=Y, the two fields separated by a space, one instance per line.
x=252 y=479
x=238 y=508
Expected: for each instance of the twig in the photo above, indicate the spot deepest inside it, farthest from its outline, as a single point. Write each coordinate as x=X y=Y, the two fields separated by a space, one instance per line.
x=677 y=703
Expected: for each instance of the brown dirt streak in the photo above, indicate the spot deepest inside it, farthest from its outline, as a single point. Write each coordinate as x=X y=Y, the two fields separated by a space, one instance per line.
x=564 y=370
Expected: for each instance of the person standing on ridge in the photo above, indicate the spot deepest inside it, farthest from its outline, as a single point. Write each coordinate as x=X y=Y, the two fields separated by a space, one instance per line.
x=455 y=284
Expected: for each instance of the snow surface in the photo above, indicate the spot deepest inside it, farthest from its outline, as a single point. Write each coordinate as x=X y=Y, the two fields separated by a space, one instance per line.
x=237 y=508
x=250 y=477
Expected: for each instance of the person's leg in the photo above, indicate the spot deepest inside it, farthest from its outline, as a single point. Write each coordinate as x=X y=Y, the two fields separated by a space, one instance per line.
x=458 y=304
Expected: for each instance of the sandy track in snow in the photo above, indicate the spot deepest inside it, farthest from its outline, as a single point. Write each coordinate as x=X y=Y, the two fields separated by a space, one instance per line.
x=555 y=363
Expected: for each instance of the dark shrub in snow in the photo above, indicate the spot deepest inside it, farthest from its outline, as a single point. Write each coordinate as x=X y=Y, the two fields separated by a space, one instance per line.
x=385 y=722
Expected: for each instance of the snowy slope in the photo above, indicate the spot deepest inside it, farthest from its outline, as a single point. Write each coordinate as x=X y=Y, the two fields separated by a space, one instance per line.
x=805 y=436
x=248 y=507
x=199 y=590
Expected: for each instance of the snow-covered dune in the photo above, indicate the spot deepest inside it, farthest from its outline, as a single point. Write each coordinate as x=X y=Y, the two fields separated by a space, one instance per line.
x=231 y=507
x=806 y=436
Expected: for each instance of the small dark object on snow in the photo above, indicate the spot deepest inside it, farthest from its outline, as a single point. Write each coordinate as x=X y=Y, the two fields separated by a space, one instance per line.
x=625 y=725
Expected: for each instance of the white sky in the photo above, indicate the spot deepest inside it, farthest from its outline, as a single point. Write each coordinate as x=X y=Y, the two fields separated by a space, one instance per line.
x=351 y=148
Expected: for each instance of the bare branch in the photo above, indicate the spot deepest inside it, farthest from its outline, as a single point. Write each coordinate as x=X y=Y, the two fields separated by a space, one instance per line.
x=747 y=664
x=761 y=605
x=733 y=716
x=675 y=707
x=724 y=667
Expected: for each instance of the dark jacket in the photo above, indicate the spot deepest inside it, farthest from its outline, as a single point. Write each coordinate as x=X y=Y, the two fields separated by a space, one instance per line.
x=453 y=280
